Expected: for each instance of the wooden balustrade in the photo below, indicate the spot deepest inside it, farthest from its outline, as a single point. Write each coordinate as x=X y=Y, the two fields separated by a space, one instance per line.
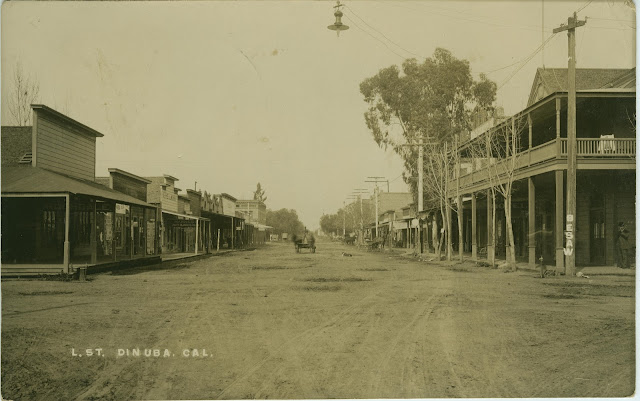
x=603 y=147
x=586 y=147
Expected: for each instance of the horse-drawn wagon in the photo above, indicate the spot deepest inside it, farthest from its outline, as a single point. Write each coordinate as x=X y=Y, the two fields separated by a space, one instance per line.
x=306 y=242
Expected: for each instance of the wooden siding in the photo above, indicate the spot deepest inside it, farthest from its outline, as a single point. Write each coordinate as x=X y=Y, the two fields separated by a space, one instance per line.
x=154 y=189
x=169 y=199
x=129 y=186
x=65 y=150
x=228 y=207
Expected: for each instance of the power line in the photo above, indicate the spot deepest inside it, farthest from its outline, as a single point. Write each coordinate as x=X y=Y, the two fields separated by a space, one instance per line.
x=583 y=7
x=385 y=45
x=612 y=19
x=502 y=68
x=528 y=58
x=533 y=27
x=631 y=28
x=382 y=34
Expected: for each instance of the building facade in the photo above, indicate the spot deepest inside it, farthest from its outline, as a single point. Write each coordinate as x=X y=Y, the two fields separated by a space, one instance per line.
x=535 y=160
x=55 y=216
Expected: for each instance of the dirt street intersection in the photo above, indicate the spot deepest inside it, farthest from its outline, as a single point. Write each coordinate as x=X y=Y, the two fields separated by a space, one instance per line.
x=271 y=323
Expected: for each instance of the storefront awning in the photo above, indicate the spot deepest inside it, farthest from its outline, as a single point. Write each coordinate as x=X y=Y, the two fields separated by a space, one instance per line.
x=37 y=181
x=187 y=216
x=399 y=225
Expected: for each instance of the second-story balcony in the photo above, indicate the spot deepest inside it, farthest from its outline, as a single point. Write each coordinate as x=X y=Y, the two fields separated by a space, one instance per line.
x=605 y=139
x=614 y=151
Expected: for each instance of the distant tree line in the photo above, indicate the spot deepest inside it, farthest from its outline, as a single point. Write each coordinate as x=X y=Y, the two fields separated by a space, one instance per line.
x=285 y=221
x=348 y=218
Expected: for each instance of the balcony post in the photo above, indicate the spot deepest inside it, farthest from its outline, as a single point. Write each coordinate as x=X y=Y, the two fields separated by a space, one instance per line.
x=558 y=139
x=490 y=247
x=530 y=124
x=474 y=217
x=532 y=223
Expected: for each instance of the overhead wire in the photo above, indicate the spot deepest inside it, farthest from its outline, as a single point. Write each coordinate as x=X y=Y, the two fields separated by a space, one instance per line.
x=584 y=6
x=612 y=19
x=497 y=24
x=382 y=34
x=368 y=33
x=526 y=60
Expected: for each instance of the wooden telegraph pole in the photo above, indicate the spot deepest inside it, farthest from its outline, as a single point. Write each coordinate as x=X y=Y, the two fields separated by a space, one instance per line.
x=376 y=180
x=570 y=257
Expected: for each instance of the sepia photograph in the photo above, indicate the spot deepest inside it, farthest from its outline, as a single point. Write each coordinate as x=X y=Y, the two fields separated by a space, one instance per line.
x=317 y=199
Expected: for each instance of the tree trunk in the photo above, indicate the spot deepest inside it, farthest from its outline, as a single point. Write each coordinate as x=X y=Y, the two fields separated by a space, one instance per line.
x=512 y=250
x=434 y=234
x=449 y=237
x=441 y=232
x=460 y=234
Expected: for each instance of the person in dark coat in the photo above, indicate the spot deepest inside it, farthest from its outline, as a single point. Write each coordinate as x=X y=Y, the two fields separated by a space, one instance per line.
x=622 y=246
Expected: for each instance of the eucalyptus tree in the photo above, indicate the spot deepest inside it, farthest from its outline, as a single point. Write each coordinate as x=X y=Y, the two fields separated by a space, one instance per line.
x=427 y=102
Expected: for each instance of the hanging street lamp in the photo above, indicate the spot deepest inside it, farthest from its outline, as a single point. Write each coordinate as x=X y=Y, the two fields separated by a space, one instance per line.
x=338 y=25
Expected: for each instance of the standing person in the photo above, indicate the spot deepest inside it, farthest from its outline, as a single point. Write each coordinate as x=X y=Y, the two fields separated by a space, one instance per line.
x=622 y=244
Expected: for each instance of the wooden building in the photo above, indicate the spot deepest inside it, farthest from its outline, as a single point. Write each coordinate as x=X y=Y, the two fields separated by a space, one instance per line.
x=184 y=230
x=55 y=216
x=537 y=148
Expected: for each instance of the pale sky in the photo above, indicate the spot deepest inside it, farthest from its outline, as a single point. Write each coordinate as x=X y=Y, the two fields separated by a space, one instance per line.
x=230 y=94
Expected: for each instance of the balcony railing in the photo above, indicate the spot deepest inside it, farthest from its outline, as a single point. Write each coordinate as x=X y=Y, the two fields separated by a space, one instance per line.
x=476 y=170
x=603 y=147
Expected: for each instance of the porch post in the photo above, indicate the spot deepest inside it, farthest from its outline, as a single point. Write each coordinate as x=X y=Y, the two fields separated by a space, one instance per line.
x=474 y=217
x=67 y=245
x=558 y=222
x=197 y=229
x=532 y=223
x=92 y=241
x=530 y=124
x=490 y=248
x=233 y=234
x=113 y=235
x=131 y=239
x=558 y=141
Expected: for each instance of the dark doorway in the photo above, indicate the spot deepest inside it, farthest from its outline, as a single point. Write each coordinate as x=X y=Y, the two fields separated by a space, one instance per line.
x=597 y=243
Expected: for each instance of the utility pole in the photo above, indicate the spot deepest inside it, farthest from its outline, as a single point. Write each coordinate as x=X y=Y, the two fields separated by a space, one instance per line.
x=420 y=146
x=570 y=257
x=344 y=219
x=359 y=192
x=376 y=180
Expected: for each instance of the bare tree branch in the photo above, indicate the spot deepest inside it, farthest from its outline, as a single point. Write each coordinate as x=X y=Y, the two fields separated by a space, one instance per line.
x=24 y=93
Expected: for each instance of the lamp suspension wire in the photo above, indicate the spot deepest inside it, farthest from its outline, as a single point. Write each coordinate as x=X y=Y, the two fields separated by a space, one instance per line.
x=542 y=34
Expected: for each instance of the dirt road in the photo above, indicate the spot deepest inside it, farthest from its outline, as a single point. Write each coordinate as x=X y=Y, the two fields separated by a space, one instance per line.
x=271 y=323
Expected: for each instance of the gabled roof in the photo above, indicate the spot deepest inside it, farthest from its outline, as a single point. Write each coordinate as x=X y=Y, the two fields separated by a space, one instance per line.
x=555 y=80
x=626 y=80
x=36 y=180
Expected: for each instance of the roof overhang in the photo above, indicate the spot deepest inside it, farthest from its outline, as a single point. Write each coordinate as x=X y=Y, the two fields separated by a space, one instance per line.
x=129 y=175
x=36 y=181
x=41 y=108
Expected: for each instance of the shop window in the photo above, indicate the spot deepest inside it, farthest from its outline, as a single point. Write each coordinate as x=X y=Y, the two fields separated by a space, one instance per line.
x=49 y=226
x=81 y=223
